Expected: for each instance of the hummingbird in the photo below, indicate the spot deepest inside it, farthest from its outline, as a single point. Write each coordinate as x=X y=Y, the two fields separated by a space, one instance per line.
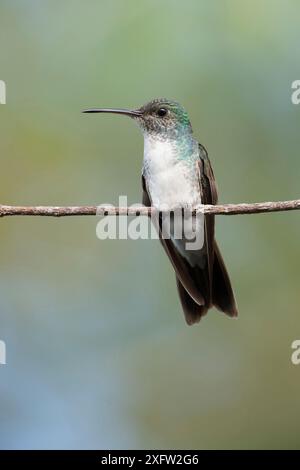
x=177 y=173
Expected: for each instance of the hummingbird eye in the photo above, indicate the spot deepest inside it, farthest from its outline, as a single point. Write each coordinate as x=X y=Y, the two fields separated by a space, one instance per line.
x=161 y=112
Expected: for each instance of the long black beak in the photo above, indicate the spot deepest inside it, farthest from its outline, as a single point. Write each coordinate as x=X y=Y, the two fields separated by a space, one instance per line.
x=127 y=112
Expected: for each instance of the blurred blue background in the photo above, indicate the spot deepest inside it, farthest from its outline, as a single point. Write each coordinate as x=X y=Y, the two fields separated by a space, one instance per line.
x=98 y=353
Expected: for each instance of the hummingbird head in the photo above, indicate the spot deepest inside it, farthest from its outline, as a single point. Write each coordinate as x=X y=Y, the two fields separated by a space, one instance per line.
x=162 y=118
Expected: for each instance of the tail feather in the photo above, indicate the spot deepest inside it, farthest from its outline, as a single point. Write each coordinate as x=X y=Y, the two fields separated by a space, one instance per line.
x=192 y=311
x=222 y=293
x=223 y=296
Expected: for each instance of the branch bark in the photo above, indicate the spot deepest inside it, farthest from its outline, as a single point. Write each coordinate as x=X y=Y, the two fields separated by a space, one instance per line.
x=103 y=210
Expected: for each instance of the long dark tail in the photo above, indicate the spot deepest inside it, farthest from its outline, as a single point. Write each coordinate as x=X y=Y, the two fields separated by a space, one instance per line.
x=223 y=296
x=222 y=293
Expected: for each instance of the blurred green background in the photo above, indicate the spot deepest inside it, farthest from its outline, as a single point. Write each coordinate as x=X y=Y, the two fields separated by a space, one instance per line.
x=98 y=353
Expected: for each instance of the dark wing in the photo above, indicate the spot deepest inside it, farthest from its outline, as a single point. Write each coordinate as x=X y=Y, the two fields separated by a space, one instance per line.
x=209 y=195
x=209 y=186
x=223 y=296
x=222 y=293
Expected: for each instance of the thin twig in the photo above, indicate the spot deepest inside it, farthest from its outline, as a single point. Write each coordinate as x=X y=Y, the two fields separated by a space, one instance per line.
x=222 y=209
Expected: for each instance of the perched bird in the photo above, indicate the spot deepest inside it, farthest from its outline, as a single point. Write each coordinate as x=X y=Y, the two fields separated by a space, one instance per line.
x=177 y=173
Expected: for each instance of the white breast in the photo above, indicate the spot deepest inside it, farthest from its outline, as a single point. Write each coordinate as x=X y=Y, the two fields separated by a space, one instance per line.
x=168 y=179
